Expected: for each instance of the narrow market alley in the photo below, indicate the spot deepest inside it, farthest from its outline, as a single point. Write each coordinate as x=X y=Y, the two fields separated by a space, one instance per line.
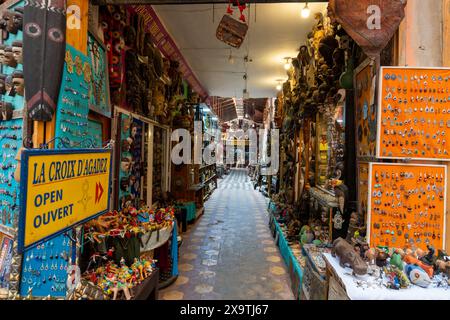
x=229 y=252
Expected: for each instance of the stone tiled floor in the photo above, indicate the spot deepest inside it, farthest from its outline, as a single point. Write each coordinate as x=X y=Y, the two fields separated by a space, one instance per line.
x=229 y=252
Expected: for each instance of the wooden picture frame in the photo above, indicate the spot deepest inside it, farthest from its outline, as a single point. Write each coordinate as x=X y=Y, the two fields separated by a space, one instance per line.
x=99 y=98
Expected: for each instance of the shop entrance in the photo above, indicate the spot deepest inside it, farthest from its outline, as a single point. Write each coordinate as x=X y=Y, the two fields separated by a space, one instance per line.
x=231 y=96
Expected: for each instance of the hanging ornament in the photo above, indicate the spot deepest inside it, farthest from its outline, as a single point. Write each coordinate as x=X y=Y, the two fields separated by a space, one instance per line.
x=229 y=9
x=241 y=9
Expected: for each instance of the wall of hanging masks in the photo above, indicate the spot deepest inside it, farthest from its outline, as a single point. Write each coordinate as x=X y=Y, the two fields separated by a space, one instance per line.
x=44 y=268
x=414 y=113
x=136 y=132
x=407 y=205
x=131 y=160
x=366 y=116
x=73 y=105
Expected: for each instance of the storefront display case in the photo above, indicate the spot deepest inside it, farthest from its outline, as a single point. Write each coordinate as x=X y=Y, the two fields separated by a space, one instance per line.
x=407 y=205
x=413 y=113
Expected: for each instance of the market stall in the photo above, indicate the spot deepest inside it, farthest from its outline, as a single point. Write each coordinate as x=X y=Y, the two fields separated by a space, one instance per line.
x=352 y=132
x=113 y=92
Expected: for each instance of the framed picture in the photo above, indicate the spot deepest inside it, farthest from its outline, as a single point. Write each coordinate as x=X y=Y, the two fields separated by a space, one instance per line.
x=365 y=110
x=99 y=99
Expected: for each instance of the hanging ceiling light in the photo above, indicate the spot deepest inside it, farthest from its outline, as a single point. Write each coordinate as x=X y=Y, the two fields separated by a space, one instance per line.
x=279 y=85
x=287 y=64
x=230 y=58
x=306 y=11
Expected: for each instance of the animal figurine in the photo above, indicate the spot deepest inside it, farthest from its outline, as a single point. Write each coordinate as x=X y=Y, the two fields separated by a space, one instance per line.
x=420 y=253
x=418 y=276
x=396 y=260
x=381 y=258
x=401 y=252
x=442 y=263
x=410 y=259
x=347 y=255
x=429 y=257
x=370 y=255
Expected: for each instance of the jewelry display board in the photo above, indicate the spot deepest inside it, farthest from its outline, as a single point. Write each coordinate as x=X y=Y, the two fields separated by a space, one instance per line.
x=73 y=109
x=99 y=100
x=44 y=268
x=414 y=113
x=10 y=142
x=11 y=134
x=95 y=130
x=363 y=188
x=6 y=246
x=366 y=111
x=407 y=204
x=11 y=118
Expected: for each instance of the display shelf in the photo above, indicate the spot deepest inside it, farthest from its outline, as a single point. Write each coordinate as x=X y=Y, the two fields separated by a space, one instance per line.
x=291 y=261
x=413 y=98
x=209 y=179
x=206 y=166
x=196 y=187
x=407 y=205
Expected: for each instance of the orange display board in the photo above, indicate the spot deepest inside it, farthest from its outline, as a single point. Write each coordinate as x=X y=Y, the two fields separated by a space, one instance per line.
x=407 y=204
x=414 y=113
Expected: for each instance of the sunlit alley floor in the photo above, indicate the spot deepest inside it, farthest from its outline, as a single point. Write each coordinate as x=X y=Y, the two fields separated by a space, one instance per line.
x=229 y=252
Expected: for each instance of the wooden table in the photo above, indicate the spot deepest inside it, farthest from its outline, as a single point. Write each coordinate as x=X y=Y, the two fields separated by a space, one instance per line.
x=148 y=289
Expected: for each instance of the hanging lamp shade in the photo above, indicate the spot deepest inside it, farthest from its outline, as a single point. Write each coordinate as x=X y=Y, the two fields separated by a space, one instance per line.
x=231 y=31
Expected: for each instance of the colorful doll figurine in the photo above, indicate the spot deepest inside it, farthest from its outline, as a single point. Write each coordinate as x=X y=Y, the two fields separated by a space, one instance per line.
x=148 y=269
x=396 y=260
x=141 y=270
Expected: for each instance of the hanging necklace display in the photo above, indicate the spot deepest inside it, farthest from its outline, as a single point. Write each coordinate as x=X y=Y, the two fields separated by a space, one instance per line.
x=98 y=77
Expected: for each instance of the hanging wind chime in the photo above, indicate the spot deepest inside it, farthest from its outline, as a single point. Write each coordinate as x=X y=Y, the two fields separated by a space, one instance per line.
x=230 y=30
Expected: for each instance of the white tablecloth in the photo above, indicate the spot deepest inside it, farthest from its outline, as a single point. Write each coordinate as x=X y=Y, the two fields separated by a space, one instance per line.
x=376 y=293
